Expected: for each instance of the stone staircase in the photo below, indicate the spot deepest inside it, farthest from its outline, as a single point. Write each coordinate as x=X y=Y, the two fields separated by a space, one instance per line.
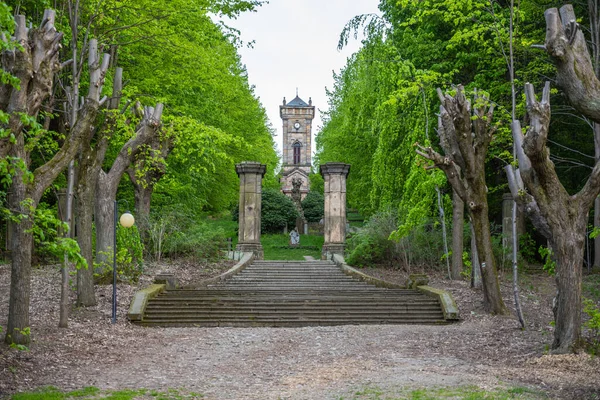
x=291 y=293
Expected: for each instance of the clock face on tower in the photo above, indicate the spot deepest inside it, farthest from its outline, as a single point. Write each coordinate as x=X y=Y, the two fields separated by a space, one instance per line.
x=297 y=125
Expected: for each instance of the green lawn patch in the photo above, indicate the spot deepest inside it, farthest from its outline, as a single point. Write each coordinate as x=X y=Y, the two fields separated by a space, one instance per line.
x=465 y=393
x=52 y=393
x=276 y=247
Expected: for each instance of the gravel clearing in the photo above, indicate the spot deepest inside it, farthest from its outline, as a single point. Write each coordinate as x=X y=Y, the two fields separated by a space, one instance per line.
x=290 y=363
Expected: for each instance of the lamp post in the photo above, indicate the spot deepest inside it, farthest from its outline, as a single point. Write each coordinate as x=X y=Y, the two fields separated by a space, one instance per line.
x=126 y=221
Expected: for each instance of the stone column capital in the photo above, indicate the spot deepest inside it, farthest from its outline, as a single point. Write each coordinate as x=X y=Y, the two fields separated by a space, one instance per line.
x=334 y=168
x=250 y=167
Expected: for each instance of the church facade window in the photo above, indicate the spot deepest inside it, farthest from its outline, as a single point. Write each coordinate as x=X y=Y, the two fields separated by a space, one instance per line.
x=297 y=146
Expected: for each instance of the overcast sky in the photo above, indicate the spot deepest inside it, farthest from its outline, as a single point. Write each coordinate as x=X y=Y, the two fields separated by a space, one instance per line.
x=296 y=47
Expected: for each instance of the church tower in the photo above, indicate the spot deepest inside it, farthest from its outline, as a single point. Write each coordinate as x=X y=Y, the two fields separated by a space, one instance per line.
x=297 y=119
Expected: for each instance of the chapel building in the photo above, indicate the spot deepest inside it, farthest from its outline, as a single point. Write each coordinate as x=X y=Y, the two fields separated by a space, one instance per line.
x=297 y=117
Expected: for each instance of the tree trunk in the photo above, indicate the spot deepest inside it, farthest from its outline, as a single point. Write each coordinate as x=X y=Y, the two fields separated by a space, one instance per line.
x=67 y=217
x=597 y=200
x=444 y=234
x=458 y=224
x=493 y=302
x=143 y=196
x=104 y=217
x=568 y=250
x=108 y=182
x=90 y=166
x=475 y=264
x=561 y=216
x=86 y=190
x=465 y=134
x=35 y=65
x=20 y=277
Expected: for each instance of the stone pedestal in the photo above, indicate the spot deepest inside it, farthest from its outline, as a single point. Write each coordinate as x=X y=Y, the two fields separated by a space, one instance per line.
x=334 y=175
x=251 y=174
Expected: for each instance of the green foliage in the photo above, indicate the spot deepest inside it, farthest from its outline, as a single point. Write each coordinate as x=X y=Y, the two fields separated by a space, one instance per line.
x=527 y=247
x=375 y=243
x=316 y=182
x=47 y=231
x=200 y=172
x=20 y=347
x=177 y=233
x=191 y=64
x=371 y=244
x=313 y=206
x=130 y=261
x=549 y=263
x=467 y=265
x=278 y=210
x=593 y=325
x=200 y=242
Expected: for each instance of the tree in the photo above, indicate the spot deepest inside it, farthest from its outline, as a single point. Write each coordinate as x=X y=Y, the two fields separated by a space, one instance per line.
x=465 y=133
x=313 y=206
x=108 y=182
x=277 y=211
x=561 y=217
x=35 y=65
x=147 y=169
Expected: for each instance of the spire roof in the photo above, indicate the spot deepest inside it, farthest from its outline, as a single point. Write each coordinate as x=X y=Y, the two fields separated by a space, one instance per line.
x=297 y=102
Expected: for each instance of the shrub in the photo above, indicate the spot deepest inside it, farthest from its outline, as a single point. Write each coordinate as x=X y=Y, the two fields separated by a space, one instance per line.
x=371 y=245
x=201 y=242
x=313 y=206
x=130 y=259
x=277 y=211
x=593 y=326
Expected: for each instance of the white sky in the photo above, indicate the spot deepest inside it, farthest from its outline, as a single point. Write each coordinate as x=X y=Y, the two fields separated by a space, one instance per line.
x=296 y=47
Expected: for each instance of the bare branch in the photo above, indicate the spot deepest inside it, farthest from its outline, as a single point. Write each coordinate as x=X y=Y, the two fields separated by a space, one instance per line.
x=576 y=75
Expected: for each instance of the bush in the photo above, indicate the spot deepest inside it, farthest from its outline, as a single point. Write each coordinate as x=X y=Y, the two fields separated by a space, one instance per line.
x=201 y=242
x=371 y=244
x=178 y=234
x=278 y=210
x=313 y=206
x=129 y=258
x=422 y=247
x=593 y=326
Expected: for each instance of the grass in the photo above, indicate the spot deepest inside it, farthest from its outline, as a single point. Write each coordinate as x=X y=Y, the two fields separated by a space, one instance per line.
x=367 y=393
x=224 y=223
x=276 y=247
x=52 y=393
x=591 y=286
x=465 y=392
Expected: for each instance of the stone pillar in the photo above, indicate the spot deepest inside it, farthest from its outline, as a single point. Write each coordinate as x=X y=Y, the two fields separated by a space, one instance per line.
x=251 y=174
x=334 y=175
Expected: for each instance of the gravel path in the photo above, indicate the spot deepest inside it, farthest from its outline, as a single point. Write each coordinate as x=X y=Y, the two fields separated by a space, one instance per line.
x=289 y=363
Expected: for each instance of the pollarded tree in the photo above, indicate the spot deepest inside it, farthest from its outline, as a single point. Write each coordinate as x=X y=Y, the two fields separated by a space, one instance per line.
x=561 y=217
x=108 y=181
x=466 y=131
x=35 y=65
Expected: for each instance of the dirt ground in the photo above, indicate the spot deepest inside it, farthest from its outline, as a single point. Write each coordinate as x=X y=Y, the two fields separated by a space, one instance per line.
x=291 y=363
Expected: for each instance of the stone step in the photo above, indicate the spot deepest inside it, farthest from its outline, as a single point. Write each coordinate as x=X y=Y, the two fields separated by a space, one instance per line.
x=269 y=293
x=279 y=323
x=328 y=303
